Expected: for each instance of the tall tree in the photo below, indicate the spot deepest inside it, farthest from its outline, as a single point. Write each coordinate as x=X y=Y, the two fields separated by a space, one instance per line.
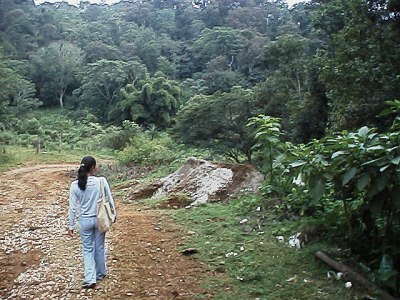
x=58 y=64
x=101 y=83
x=154 y=102
x=219 y=122
x=17 y=94
x=289 y=91
x=360 y=66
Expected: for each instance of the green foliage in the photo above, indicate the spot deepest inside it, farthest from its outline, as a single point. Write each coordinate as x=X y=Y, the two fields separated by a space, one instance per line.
x=101 y=82
x=288 y=91
x=362 y=163
x=359 y=66
x=55 y=68
x=154 y=100
x=268 y=133
x=117 y=138
x=149 y=150
x=219 y=122
x=145 y=151
x=171 y=201
x=310 y=74
x=356 y=172
x=222 y=81
x=317 y=68
x=250 y=259
x=16 y=94
x=14 y=156
x=226 y=43
x=62 y=130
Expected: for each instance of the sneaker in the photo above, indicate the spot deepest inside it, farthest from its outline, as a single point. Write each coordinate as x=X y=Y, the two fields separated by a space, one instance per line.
x=101 y=277
x=86 y=285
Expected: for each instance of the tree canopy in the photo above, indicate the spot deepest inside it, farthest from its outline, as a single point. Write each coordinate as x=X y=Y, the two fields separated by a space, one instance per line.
x=319 y=66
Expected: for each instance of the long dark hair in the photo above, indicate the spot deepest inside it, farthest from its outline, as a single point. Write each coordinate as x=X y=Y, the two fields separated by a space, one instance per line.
x=86 y=164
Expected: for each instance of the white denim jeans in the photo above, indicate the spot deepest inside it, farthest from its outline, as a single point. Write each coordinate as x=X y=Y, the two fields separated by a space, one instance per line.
x=93 y=249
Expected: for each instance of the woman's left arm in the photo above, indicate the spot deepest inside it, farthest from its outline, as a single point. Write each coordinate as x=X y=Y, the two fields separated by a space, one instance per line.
x=72 y=209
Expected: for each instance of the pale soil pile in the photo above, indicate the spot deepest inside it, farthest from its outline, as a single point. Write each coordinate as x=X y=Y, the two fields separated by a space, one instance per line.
x=38 y=260
x=204 y=181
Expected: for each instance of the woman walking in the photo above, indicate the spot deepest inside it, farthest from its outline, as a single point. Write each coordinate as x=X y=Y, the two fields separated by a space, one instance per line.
x=83 y=195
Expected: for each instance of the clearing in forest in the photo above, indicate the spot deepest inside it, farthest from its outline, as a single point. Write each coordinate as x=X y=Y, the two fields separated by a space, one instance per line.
x=38 y=260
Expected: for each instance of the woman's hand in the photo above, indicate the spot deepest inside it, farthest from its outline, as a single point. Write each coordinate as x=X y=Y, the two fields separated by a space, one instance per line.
x=71 y=232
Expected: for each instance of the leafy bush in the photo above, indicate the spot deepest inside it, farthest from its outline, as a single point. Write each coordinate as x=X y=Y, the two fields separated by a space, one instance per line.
x=59 y=130
x=118 y=138
x=146 y=151
x=6 y=137
x=30 y=126
x=149 y=149
x=349 y=178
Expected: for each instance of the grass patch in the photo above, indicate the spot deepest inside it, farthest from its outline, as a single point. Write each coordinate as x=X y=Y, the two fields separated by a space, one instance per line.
x=151 y=202
x=258 y=266
x=170 y=201
x=16 y=156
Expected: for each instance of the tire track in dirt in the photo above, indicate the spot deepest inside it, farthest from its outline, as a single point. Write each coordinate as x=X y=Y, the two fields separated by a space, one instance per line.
x=38 y=260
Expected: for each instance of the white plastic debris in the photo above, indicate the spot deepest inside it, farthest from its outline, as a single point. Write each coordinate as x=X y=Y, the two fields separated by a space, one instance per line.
x=298 y=180
x=292 y=279
x=243 y=221
x=294 y=241
x=229 y=254
x=348 y=285
x=280 y=238
x=333 y=275
x=241 y=248
x=258 y=208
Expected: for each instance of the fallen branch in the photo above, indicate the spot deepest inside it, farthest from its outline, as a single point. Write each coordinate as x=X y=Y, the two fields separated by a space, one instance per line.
x=355 y=276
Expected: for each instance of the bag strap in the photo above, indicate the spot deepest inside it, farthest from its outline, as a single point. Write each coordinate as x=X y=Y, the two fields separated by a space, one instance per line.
x=102 y=188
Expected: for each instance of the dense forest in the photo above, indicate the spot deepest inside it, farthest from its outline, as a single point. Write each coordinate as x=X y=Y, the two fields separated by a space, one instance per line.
x=201 y=69
x=318 y=82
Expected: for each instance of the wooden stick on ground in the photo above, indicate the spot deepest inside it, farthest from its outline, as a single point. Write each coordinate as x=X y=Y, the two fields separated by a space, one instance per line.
x=355 y=276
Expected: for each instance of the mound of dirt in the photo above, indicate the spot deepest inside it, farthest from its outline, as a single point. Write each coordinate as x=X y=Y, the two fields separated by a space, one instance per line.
x=204 y=181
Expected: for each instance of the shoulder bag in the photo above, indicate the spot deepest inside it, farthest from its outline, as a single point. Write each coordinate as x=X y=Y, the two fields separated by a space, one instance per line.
x=105 y=215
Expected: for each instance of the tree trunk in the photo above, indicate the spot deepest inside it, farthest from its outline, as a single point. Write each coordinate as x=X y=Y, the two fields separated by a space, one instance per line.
x=298 y=83
x=231 y=63
x=348 y=217
x=355 y=276
x=62 y=93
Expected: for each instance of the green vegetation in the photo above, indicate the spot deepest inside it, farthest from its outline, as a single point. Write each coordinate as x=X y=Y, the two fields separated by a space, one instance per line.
x=170 y=201
x=348 y=181
x=257 y=265
x=17 y=156
x=298 y=92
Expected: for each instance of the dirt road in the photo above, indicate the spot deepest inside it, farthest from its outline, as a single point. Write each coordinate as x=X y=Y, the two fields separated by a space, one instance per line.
x=38 y=260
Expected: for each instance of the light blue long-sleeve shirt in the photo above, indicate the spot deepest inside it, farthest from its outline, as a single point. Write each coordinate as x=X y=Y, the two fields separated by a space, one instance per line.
x=86 y=200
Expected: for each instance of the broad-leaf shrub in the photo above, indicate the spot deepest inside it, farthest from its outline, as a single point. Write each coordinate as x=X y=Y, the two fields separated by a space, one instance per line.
x=144 y=151
x=356 y=172
x=359 y=166
x=268 y=133
x=150 y=149
x=118 y=138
